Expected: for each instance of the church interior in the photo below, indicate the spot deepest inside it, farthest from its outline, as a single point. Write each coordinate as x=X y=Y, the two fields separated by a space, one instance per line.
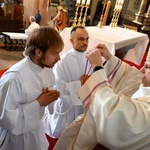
x=14 y=16
x=132 y=15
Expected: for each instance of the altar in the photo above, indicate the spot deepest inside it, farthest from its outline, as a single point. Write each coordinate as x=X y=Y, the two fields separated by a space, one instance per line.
x=124 y=43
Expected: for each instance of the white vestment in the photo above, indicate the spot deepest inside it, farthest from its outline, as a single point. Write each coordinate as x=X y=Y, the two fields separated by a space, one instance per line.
x=112 y=119
x=32 y=26
x=21 y=126
x=68 y=72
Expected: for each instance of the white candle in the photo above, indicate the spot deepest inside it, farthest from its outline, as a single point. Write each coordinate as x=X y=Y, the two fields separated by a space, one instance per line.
x=116 y=4
x=120 y=6
x=83 y=2
x=122 y=2
x=88 y=2
x=78 y=1
x=148 y=12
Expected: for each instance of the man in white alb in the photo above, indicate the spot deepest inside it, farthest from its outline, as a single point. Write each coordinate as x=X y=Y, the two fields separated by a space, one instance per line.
x=117 y=101
x=25 y=90
x=33 y=25
x=70 y=75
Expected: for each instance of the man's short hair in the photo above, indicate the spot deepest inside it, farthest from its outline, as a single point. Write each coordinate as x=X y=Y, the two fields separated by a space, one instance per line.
x=43 y=38
x=32 y=18
x=75 y=28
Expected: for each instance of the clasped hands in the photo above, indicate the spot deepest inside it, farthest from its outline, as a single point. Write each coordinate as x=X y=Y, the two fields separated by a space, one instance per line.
x=48 y=96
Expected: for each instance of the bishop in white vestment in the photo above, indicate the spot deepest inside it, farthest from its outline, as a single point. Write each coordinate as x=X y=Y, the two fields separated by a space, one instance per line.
x=116 y=116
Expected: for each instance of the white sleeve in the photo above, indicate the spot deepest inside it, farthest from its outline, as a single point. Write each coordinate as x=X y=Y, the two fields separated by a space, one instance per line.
x=117 y=72
x=17 y=114
x=115 y=121
x=55 y=123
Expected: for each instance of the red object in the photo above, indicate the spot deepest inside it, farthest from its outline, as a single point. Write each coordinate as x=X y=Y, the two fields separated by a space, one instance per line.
x=2 y=71
x=51 y=141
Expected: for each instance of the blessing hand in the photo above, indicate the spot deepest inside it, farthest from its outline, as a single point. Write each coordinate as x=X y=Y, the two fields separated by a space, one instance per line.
x=94 y=57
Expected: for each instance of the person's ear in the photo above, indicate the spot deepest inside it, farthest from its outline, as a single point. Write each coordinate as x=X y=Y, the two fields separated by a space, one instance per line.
x=38 y=52
x=71 y=40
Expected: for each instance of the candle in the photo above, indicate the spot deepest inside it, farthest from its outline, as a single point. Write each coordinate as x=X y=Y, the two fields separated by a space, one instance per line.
x=88 y=2
x=116 y=4
x=106 y=12
x=83 y=2
x=148 y=12
x=78 y=1
x=121 y=4
x=119 y=8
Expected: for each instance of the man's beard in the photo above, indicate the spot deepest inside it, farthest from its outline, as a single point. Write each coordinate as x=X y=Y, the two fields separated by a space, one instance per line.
x=41 y=62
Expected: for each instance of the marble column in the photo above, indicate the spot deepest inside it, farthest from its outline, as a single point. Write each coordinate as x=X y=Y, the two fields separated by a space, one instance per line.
x=43 y=7
x=29 y=10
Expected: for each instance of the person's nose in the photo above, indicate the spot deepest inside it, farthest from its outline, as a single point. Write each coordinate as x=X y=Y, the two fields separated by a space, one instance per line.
x=85 y=41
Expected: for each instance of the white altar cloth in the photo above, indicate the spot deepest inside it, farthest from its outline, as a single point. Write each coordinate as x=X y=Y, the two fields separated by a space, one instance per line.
x=116 y=39
x=17 y=36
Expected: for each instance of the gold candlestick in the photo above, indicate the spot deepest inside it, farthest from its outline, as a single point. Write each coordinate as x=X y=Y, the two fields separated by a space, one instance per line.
x=114 y=14
x=85 y=14
x=80 y=17
x=113 y=19
x=117 y=11
x=76 y=15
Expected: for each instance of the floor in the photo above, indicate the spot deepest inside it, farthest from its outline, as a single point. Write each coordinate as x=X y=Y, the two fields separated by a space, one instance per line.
x=8 y=57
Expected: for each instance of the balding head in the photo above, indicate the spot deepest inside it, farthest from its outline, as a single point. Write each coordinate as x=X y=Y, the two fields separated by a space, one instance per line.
x=79 y=38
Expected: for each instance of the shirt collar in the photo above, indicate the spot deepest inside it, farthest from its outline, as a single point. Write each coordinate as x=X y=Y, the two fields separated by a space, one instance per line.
x=32 y=65
x=77 y=53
